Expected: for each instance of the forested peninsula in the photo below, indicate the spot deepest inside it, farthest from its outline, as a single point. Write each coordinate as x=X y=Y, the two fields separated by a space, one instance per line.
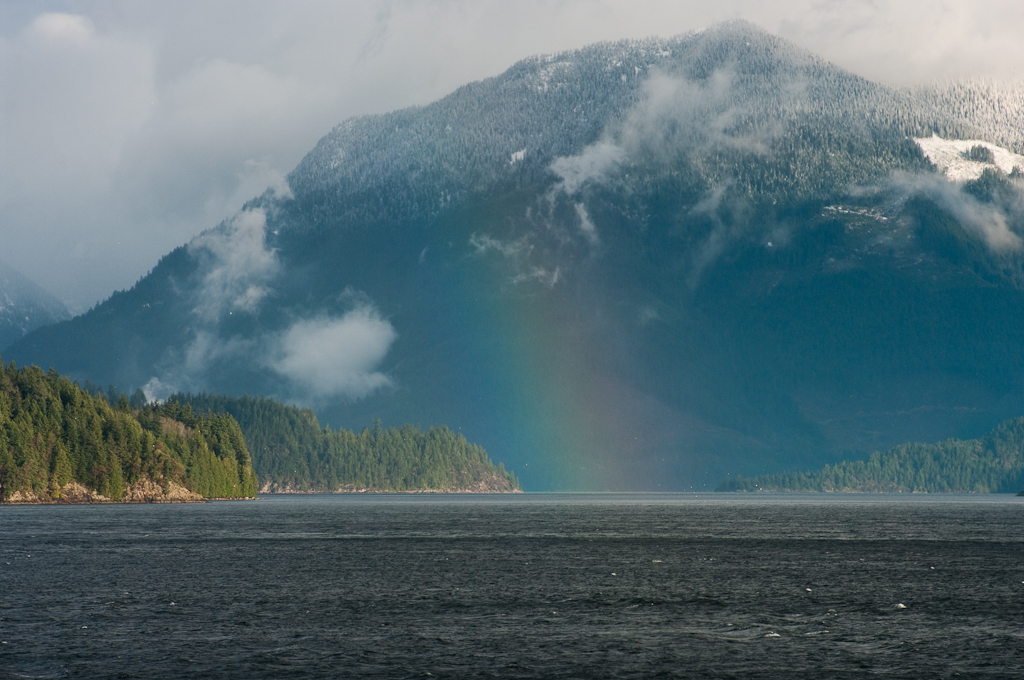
x=991 y=464
x=62 y=443
x=291 y=452
x=59 y=443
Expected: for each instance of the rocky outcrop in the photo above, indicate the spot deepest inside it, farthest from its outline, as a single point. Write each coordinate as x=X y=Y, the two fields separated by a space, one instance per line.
x=147 y=491
x=143 y=491
x=72 y=492
x=491 y=484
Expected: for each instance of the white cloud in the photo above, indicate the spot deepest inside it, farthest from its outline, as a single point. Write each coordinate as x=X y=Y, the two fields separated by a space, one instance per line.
x=327 y=356
x=156 y=390
x=258 y=176
x=672 y=116
x=676 y=116
x=483 y=244
x=586 y=224
x=546 y=277
x=596 y=161
x=904 y=42
x=67 y=28
x=238 y=266
x=988 y=221
x=320 y=357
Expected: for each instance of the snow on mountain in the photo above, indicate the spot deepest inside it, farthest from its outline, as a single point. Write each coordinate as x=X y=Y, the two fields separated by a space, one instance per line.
x=963 y=160
x=995 y=109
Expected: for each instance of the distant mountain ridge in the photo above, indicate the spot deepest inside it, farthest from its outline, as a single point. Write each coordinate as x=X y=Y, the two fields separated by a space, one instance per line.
x=24 y=306
x=635 y=264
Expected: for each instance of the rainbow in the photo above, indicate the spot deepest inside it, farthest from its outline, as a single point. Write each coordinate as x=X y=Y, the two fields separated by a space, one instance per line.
x=575 y=425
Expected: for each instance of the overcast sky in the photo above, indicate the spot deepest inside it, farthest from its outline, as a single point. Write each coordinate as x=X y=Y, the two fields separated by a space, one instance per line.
x=127 y=127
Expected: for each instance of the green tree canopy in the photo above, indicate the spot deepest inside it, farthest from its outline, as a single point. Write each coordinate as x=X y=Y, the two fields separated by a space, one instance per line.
x=992 y=464
x=52 y=432
x=291 y=451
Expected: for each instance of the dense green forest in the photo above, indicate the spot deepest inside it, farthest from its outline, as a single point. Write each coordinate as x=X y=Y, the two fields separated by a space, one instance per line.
x=991 y=464
x=59 y=442
x=292 y=452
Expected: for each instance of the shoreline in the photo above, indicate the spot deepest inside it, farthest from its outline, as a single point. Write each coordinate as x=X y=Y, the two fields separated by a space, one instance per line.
x=155 y=501
x=295 y=492
x=142 y=492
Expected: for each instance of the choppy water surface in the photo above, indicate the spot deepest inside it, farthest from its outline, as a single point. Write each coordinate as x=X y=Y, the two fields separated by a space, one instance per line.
x=535 y=586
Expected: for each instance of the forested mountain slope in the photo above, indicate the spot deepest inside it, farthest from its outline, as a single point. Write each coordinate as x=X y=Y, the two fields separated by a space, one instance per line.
x=996 y=108
x=637 y=265
x=58 y=443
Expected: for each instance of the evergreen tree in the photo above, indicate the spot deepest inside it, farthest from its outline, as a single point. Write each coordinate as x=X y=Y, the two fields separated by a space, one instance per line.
x=53 y=432
x=992 y=464
x=291 y=451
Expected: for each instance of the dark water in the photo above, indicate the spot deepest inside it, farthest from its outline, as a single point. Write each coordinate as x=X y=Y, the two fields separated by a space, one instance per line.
x=706 y=586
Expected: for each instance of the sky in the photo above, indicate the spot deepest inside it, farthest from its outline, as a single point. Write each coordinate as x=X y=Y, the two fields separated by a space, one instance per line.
x=129 y=127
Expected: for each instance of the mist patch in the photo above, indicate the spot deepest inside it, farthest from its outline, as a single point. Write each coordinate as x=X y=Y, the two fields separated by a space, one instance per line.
x=335 y=356
x=239 y=264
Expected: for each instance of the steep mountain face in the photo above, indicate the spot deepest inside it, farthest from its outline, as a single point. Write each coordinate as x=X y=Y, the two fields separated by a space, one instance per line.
x=24 y=306
x=639 y=265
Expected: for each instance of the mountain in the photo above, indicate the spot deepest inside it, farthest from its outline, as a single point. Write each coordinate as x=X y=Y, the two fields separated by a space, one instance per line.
x=24 y=306
x=993 y=463
x=638 y=265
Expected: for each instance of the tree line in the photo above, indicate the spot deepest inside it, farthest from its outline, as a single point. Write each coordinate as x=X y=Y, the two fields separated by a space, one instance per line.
x=53 y=432
x=991 y=464
x=292 y=452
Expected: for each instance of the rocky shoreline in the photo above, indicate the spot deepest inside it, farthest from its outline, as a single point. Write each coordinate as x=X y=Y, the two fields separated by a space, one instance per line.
x=142 y=491
x=147 y=491
x=485 y=482
x=349 y=488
